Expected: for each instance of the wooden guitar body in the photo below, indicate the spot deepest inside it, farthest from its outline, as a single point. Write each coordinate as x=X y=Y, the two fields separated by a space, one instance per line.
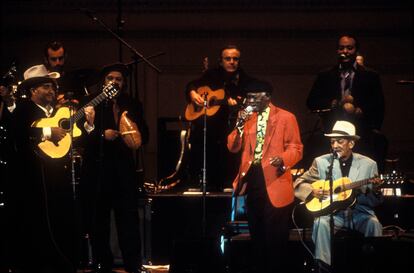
x=341 y=199
x=63 y=118
x=343 y=194
x=60 y=119
x=215 y=98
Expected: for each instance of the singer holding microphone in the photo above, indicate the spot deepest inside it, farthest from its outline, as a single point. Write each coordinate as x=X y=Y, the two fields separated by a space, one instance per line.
x=360 y=217
x=269 y=140
x=354 y=93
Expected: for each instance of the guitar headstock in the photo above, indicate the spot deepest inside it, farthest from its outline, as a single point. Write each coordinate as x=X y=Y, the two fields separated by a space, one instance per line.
x=110 y=90
x=394 y=178
x=393 y=183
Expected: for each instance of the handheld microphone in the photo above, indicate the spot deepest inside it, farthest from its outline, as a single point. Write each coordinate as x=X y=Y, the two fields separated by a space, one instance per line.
x=342 y=56
x=244 y=115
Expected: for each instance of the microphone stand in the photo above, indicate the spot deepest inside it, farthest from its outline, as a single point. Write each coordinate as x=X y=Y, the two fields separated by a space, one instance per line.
x=71 y=149
x=137 y=61
x=331 y=219
x=120 y=25
x=204 y=179
x=75 y=182
x=91 y=15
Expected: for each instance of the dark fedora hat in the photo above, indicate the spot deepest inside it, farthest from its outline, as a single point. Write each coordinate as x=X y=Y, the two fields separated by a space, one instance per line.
x=258 y=86
x=120 y=67
x=37 y=75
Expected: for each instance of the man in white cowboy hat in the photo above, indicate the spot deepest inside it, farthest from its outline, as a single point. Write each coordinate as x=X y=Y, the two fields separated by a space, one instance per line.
x=41 y=202
x=356 y=167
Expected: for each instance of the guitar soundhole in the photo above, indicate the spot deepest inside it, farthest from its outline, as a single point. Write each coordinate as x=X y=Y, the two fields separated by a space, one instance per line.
x=213 y=101
x=64 y=124
x=197 y=108
x=337 y=190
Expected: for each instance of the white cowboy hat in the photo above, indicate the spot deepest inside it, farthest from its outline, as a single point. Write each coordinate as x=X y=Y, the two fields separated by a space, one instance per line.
x=36 y=75
x=343 y=129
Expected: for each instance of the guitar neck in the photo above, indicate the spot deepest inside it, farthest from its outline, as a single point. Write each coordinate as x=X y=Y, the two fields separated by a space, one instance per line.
x=81 y=112
x=357 y=184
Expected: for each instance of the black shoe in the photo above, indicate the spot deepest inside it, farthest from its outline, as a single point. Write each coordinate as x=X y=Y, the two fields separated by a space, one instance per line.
x=323 y=267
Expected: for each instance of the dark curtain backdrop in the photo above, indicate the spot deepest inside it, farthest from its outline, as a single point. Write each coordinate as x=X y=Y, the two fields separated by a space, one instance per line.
x=284 y=42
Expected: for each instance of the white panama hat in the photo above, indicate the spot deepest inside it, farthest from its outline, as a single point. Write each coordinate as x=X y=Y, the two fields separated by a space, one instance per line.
x=343 y=129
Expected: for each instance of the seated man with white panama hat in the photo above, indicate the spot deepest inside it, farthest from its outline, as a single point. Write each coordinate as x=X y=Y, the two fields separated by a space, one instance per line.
x=360 y=216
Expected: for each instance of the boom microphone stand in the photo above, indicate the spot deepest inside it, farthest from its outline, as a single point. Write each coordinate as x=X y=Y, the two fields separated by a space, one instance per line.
x=91 y=15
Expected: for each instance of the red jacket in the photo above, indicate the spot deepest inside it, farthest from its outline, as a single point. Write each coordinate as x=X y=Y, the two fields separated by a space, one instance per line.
x=282 y=139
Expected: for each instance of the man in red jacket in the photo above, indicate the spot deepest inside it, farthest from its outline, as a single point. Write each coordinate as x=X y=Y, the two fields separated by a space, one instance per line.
x=269 y=139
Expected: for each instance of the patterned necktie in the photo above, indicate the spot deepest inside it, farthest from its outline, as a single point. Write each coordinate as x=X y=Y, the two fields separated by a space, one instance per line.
x=49 y=110
x=260 y=135
x=346 y=83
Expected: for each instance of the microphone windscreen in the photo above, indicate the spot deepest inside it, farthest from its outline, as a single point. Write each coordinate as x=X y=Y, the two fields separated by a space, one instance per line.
x=249 y=109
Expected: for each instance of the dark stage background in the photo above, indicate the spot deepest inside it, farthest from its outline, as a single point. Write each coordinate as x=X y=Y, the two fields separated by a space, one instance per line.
x=285 y=42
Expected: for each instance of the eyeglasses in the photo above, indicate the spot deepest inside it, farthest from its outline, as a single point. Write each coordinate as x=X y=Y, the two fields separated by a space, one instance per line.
x=54 y=59
x=236 y=59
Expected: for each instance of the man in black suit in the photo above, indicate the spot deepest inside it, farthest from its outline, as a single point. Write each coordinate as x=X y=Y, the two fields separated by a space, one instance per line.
x=349 y=91
x=109 y=177
x=42 y=215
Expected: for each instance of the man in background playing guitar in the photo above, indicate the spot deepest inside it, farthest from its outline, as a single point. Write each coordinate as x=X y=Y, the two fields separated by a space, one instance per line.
x=360 y=217
x=225 y=81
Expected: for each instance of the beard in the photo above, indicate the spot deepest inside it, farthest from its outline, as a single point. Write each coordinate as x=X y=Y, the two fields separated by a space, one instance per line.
x=58 y=68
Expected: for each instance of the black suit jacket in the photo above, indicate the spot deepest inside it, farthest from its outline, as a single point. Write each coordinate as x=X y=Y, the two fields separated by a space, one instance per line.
x=27 y=137
x=366 y=90
x=42 y=214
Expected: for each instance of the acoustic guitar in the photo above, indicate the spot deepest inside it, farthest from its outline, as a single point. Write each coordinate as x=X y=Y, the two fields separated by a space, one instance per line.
x=214 y=98
x=64 y=119
x=343 y=194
